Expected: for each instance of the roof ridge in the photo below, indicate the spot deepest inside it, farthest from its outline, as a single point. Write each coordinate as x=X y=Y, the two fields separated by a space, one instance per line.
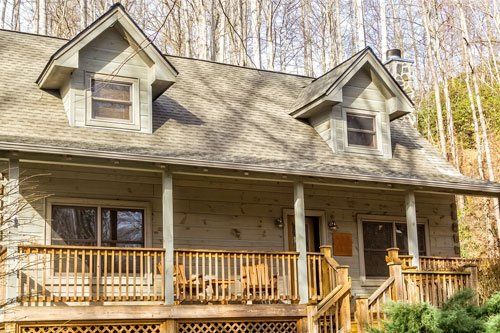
x=33 y=34
x=237 y=66
x=343 y=62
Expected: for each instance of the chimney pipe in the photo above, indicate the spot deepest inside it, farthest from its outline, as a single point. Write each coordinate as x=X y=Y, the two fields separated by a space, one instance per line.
x=393 y=54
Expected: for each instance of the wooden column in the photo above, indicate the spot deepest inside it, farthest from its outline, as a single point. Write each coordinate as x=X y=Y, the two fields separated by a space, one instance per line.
x=345 y=304
x=411 y=225
x=300 y=241
x=325 y=268
x=168 y=235
x=396 y=271
x=11 y=233
x=361 y=313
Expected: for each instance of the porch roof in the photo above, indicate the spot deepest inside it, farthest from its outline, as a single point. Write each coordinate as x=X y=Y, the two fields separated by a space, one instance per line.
x=215 y=115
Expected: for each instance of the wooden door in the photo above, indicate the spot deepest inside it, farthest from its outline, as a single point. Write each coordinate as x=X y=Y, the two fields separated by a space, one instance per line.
x=312 y=233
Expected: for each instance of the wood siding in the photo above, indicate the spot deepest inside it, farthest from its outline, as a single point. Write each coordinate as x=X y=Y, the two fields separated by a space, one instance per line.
x=219 y=213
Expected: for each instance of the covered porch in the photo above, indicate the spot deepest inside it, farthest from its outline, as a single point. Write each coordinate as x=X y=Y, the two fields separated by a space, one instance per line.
x=210 y=235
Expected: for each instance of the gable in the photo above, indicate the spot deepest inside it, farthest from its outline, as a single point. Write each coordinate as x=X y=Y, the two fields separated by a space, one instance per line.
x=67 y=59
x=327 y=90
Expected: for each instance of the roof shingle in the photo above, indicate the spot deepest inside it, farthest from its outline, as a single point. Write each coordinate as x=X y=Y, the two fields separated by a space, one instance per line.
x=214 y=113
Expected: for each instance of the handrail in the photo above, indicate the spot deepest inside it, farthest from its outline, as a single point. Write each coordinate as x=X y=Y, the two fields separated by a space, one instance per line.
x=335 y=296
x=80 y=247
x=415 y=271
x=380 y=290
x=237 y=251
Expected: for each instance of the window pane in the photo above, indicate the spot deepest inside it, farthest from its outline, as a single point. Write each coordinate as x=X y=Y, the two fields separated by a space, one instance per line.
x=402 y=238
x=122 y=227
x=377 y=238
x=113 y=110
x=111 y=90
x=72 y=225
x=361 y=139
x=360 y=122
x=421 y=239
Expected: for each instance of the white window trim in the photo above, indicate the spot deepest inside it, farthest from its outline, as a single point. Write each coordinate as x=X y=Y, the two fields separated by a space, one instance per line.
x=99 y=204
x=388 y=219
x=135 y=119
x=378 y=132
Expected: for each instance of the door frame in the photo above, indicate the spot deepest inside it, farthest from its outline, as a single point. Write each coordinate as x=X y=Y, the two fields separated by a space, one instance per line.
x=323 y=229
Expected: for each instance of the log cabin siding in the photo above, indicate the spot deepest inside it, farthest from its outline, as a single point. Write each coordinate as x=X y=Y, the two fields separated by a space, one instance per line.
x=223 y=213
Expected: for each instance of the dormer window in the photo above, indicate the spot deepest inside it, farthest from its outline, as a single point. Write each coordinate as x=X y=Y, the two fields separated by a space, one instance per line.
x=113 y=101
x=361 y=130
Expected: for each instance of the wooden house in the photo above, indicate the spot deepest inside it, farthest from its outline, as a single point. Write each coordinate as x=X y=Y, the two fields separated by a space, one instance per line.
x=144 y=192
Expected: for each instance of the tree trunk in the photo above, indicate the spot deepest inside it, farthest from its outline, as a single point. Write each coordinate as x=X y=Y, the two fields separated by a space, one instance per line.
x=432 y=70
x=383 y=29
x=360 y=41
x=306 y=37
x=255 y=26
x=482 y=119
x=270 y=36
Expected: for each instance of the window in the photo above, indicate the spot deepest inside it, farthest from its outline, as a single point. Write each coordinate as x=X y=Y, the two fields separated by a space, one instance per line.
x=379 y=236
x=101 y=226
x=111 y=100
x=361 y=130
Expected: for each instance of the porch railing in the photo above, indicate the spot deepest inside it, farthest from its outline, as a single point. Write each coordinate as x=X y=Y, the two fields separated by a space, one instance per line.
x=89 y=274
x=225 y=276
x=410 y=285
x=431 y=263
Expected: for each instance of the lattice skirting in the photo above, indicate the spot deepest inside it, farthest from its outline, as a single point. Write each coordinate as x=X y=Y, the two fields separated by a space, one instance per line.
x=89 y=328
x=238 y=327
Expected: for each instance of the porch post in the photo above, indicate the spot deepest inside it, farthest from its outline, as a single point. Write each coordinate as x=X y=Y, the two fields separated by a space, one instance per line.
x=11 y=240
x=168 y=236
x=300 y=240
x=411 y=225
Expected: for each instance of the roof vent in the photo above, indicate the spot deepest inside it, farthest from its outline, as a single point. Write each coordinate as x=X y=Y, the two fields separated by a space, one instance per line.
x=393 y=54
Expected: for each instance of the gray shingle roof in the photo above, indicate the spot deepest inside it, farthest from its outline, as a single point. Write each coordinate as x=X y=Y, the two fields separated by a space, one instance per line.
x=213 y=114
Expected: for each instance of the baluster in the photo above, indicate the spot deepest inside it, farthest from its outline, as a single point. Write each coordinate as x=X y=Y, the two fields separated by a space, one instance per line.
x=127 y=274
x=134 y=273
x=120 y=282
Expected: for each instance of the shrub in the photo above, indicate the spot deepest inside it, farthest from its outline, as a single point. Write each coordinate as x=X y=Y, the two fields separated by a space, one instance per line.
x=410 y=318
x=493 y=324
x=460 y=314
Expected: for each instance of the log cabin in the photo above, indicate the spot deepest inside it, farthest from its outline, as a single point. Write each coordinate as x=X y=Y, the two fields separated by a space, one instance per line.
x=143 y=192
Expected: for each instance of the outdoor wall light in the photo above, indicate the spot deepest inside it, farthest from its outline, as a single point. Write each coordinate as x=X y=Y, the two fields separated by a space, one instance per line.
x=279 y=223
x=332 y=225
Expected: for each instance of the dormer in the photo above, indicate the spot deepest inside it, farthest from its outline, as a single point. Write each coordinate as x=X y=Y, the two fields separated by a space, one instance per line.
x=109 y=75
x=352 y=105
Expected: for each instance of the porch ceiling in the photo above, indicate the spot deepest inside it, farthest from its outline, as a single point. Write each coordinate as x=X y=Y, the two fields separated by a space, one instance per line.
x=251 y=172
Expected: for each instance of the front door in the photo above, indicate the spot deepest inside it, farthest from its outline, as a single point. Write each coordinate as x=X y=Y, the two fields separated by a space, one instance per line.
x=312 y=233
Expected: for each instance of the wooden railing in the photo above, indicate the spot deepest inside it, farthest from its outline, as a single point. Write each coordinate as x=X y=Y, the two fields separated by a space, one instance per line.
x=376 y=302
x=224 y=276
x=332 y=313
x=322 y=274
x=434 y=287
x=410 y=285
x=90 y=274
x=448 y=264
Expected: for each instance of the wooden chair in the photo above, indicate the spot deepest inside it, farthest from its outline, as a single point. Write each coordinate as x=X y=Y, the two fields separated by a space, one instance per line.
x=256 y=280
x=181 y=282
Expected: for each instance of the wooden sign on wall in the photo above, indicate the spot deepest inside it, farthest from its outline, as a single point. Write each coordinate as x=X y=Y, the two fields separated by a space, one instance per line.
x=342 y=244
